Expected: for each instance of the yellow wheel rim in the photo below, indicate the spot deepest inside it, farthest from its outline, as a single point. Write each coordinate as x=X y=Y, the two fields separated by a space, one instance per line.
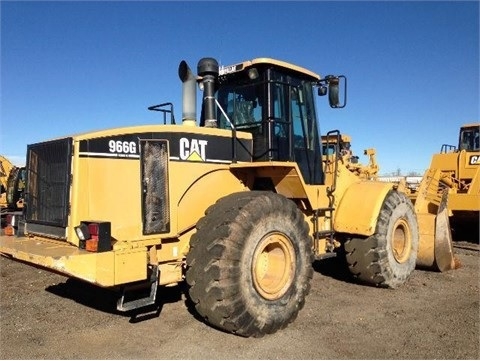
x=402 y=241
x=273 y=266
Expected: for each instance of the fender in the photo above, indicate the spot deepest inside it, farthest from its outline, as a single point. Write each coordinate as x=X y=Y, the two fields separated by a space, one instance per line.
x=205 y=189
x=358 y=209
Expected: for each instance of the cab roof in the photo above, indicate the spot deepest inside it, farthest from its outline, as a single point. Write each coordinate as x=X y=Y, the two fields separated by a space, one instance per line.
x=471 y=125
x=267 y=61
x=333 y=138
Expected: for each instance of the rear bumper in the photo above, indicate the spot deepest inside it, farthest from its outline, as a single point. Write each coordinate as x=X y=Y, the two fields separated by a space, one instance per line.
x=105 y=269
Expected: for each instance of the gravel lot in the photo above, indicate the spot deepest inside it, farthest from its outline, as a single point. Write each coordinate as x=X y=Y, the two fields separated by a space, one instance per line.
x=433 y=316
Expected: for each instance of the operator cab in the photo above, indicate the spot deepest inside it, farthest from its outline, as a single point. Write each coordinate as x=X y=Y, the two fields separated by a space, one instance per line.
x=469 y=138
x=274 y=101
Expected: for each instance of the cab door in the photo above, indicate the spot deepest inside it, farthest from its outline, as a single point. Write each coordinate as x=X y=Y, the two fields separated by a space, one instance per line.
x=306 y=145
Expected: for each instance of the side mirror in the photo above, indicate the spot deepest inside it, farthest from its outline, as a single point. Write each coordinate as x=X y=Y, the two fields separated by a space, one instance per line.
x=333 y=88
x=331 y=84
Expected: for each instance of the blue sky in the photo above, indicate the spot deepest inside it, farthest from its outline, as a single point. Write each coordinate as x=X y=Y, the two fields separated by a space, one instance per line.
x=412 y=67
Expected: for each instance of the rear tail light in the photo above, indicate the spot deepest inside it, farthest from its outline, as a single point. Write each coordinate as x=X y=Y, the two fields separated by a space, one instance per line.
x=94 y=236
x=9 y=231
x=11 y=221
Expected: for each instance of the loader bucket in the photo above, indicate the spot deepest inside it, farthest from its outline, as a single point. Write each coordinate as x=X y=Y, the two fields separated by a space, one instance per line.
x=435 y=250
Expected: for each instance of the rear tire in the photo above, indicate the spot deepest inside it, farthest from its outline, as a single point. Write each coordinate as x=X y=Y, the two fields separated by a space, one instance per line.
x=250 y=263
x=388 y=257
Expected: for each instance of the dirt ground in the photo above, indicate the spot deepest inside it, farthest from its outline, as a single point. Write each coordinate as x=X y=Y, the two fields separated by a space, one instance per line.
x=433 y=316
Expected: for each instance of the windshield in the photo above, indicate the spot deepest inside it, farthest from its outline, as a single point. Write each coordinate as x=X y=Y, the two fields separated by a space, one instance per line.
x=469 y=139
x=243 y=104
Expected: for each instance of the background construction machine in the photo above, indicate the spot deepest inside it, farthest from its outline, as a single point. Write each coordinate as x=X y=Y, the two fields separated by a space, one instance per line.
x=344 y=143
x=238 y=207
x=458 y=170
x=5 y=168
x=12 y=179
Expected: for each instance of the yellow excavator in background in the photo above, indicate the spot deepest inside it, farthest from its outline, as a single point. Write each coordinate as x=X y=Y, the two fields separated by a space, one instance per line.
x=238 y=204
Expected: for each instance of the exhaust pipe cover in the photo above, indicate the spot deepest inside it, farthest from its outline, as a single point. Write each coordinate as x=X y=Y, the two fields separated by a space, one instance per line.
x=189 y=96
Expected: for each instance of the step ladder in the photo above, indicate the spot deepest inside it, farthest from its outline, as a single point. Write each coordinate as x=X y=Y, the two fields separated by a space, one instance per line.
x=130 y=299
x=320 y=234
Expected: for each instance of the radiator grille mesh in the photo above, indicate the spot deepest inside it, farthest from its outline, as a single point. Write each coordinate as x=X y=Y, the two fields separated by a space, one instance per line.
x=154 y=161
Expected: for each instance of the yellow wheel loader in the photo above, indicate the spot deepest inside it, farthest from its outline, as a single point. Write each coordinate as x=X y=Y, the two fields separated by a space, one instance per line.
x=457 y=169
x=238 y=204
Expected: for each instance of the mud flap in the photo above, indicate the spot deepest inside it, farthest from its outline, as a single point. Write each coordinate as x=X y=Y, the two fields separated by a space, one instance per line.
x=435 y=250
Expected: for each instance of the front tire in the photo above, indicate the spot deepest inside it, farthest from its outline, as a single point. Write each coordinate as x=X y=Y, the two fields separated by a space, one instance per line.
x=388 y=257
x=250 y=263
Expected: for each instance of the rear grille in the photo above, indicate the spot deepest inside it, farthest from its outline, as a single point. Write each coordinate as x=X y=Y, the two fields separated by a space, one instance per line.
x=154 y=163
x=48 y=185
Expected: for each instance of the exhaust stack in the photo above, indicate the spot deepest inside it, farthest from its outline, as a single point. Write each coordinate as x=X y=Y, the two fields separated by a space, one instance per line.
x=189 y=96
x=207 y=68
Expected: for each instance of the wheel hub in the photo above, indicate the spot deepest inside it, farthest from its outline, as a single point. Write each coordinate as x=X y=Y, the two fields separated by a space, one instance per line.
x=402 y=241
x=273 y=266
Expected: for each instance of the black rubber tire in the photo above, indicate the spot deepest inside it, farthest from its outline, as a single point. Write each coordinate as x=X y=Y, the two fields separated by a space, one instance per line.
x=222 y=276
x=388 y=257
